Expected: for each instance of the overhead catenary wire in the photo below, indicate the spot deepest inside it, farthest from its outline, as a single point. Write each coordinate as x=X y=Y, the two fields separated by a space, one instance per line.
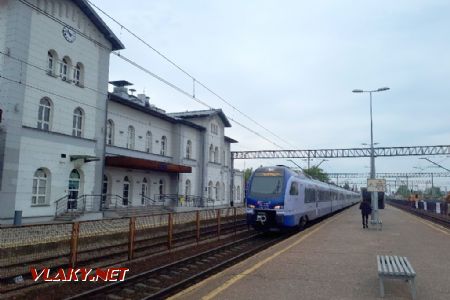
x=194 y=79
x=34 y=7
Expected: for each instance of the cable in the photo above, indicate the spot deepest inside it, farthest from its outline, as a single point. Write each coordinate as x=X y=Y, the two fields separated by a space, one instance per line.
x=186 y=73
x=140 y=67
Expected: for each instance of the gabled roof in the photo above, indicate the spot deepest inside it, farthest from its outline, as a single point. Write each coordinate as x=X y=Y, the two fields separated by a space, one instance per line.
x=152 y=112
x=229 y=140
x=98 y=22
x=203 y=114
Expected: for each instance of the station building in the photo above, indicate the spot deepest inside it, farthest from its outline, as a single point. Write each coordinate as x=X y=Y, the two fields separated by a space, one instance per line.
x=67 y=145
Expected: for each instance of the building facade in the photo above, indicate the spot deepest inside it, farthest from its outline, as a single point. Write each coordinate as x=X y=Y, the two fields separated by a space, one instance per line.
x=63 y=138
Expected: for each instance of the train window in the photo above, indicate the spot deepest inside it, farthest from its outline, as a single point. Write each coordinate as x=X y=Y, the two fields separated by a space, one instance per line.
x=294 y=189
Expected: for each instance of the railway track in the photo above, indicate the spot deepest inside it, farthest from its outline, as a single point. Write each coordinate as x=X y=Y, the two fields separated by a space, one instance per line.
x=143 y=248
x=168 y=279
x=430 y=216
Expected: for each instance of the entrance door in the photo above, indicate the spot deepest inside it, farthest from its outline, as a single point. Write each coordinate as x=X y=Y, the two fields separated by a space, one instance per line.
x=74 y=189
x=144 y=191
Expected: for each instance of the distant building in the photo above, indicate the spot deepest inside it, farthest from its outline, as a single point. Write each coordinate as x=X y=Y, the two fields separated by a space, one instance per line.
x=66 y=145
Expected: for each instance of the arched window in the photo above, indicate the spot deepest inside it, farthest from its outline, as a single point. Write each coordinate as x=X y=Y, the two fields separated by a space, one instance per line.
x=40 y=184
x=210 y=190
x=44 y=114
x=52 y=58
x=189 y=149
x=238 y=193
x=148 y=142
x=216 y=155
x=187 y=188
x=77 y=128
x=64 y=68
x=211 y=153
x=126 y=191
x=78 y=74
x=110 y=132
x=161 y=187
x=163 y=145
x=217 y=196
x=130 y=137
x=144 y=190
x=223 y=191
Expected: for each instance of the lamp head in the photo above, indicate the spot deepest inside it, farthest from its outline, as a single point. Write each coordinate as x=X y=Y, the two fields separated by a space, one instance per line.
x=357 y=91
x=383 y=89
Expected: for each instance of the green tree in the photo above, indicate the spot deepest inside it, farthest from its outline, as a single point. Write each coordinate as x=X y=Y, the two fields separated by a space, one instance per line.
x=317 y=173
x=247 y=173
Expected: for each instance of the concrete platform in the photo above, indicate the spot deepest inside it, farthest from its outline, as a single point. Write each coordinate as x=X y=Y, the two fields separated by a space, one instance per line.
x=336 y=259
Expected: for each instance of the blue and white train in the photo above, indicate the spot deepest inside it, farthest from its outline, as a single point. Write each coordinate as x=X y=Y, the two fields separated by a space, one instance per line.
x=277 y=197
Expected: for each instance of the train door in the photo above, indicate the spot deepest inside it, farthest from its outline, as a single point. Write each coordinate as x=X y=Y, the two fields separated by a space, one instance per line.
x=293 y=197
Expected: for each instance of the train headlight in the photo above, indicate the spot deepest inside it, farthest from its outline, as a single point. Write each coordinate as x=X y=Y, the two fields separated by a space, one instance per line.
x=250 y=206
x=278 y=207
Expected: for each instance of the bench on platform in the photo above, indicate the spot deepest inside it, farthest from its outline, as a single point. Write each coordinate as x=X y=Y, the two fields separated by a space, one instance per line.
x=395 y=267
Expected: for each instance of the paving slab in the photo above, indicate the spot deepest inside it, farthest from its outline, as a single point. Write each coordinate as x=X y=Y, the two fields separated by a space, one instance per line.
x=336 y=259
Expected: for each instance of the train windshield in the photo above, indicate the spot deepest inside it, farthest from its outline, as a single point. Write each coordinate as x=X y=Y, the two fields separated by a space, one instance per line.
x=267 y=185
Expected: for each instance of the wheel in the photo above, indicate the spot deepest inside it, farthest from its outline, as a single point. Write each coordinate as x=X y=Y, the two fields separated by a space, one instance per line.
x=302 y=222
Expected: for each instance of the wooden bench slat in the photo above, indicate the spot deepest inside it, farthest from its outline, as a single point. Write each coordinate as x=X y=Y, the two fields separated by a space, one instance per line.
x=413 y=273
x=389 y=264
x=400 y=267
x=380 y=269
x=383 y=264
x=405 y=266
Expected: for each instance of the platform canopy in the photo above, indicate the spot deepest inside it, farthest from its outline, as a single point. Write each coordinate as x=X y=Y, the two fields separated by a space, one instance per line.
x=145 y=164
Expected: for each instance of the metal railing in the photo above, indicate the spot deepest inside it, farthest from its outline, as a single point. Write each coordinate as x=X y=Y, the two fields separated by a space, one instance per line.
x=113 y=201
x=81 y=204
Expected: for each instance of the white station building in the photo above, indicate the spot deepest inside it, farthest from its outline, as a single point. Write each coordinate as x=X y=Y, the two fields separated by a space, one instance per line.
x=70 y=148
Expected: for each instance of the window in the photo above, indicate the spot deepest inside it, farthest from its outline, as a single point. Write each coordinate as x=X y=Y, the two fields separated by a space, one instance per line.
x=210 y=189
x=126 y=191
x=223 y=191
x=44 y=114
x=188 y=149
x=217 y=196
x=74 y=189
x=211 y=153
x=148 y=142
x=77 y=122
x=161 y=187
x=52 y=57
x=214 y=128
x=187 y=188
x=78 y=74
x=216 y=155
x=130 y=137
x=39 y=192
x=144 y=190
x=310 y=195
x=64 y=69
x=110 y=132
x=163 y=145
x=104 y=189
x=294 y=189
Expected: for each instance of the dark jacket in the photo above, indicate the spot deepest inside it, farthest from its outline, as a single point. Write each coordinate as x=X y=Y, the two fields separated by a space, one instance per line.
x=365 y=208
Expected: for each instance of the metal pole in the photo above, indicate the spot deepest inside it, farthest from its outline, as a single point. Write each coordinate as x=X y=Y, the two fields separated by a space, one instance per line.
x=432 y=185
x=374 y=215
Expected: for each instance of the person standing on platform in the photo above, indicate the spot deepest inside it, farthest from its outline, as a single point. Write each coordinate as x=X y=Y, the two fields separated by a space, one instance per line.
x=366 y=210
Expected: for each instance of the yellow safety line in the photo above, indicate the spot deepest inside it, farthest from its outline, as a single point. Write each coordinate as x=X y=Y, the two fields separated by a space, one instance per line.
x=238 y=277
x=426 y=222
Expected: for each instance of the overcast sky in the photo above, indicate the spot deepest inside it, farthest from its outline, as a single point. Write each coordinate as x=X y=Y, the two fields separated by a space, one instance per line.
x=291 y=66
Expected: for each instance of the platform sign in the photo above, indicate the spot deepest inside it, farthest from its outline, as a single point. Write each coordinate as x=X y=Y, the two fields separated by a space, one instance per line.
x=376 y=185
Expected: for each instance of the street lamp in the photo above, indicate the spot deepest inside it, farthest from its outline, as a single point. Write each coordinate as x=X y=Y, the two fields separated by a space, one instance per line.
x=374 y=196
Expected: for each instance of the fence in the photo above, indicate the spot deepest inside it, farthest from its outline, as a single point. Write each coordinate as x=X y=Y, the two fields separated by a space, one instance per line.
x=108 y=241
x=438 y=207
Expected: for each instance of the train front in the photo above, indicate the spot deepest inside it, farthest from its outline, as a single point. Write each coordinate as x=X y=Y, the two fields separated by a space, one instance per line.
x=265 y=198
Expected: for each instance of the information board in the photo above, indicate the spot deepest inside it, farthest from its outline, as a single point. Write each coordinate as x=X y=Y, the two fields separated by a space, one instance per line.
x=376 y=185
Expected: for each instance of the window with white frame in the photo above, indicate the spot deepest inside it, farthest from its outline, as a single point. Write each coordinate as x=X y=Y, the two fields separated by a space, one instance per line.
x=217 y=190
x=148 y=142
x=78 y=74
x=40 y=184
x=163 y=145
x=77 y=128
x=214 y=128
x=210 y=189
x=64 y=67
x=189 y=149
x=126 y=192
x=187 y=188
x=52 y=58
x=144 y=190
x=238 y=193
x=110 y=132
x=130 y=137
x=44 y=114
